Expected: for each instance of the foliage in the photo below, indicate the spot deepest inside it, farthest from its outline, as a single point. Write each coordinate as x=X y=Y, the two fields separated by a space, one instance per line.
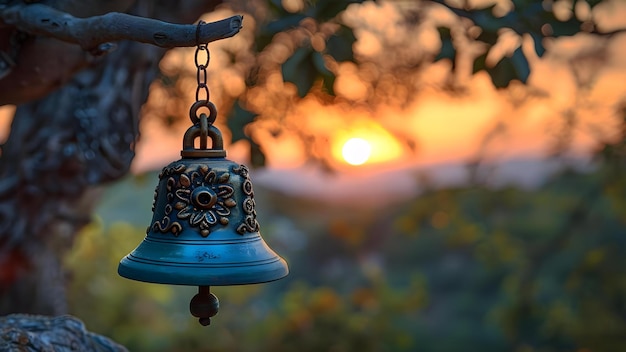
x=536 y=19
x=295 y=54
x=306 y=65
x=493 y=39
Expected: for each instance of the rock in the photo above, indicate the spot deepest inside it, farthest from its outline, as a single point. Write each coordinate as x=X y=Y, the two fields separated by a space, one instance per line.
x=37 y=333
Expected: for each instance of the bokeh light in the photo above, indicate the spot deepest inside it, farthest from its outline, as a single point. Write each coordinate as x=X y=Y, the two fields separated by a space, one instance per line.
x=356 y=151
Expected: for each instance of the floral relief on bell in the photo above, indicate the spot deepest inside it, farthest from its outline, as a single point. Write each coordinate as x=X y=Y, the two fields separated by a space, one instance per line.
x=204 y=198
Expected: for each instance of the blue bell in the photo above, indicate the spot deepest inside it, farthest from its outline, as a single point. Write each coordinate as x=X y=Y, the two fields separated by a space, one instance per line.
x=204 y=230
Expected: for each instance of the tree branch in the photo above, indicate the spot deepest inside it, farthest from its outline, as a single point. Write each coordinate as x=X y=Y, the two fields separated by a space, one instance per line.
x=91 y=32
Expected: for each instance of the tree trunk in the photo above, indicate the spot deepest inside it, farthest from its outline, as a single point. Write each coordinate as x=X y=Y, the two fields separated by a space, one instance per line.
x=61 y=149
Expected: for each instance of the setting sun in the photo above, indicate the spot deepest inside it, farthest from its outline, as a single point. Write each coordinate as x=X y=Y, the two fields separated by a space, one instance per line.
x=364 y=142
x=356 y=151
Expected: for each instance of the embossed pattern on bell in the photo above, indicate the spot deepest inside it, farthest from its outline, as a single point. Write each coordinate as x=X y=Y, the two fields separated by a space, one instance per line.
x=203 y=197
x=204 y=229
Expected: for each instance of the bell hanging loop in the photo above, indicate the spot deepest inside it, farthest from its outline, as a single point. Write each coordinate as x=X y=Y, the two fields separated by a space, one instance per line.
x=204 y=131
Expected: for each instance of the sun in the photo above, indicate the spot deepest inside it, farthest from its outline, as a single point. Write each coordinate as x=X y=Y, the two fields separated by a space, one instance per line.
x=356 y=151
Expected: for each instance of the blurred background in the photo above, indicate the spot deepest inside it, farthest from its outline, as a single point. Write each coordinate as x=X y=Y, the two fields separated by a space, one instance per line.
x=439 y=175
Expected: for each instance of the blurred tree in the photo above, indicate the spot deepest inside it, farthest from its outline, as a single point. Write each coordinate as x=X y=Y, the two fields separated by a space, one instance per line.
x=77 y=116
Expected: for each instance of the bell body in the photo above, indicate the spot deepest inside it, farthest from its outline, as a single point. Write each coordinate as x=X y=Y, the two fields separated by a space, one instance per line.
x=204 y=230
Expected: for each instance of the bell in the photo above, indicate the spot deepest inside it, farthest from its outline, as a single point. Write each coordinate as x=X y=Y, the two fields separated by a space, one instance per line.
x=204 y=231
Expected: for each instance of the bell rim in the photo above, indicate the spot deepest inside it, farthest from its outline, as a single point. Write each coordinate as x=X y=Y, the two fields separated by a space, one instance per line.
x=134 y=268
x=203 y=265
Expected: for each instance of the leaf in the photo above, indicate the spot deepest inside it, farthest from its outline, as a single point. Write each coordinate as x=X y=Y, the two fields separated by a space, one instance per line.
x=340 y=44
x=480 y=63
x=506 y=70
x=503 y=73
x=593 y=3
x=485 y=19
x=566 y=28
x=257 y=157
x=447 y=48
x=300 y=70
x=325 y=10
x=538 y=40
x=306 y=65
x=328 y=85
x=237 y=121
x=488 y=37
x=328 y=77
x=520 y=63
x=320 y=10
x=284 y=22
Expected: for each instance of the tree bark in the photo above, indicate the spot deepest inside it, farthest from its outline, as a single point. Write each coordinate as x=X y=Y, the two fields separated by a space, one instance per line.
x=61 y=150
x=25 y=77
x=93 y=31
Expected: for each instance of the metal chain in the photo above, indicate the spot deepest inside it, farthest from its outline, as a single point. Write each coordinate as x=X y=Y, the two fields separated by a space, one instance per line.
x=201 y=59
x=201 y=74
x=203 y=121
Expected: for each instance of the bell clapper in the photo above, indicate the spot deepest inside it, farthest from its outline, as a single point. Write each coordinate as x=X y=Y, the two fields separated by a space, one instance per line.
x=204 y=305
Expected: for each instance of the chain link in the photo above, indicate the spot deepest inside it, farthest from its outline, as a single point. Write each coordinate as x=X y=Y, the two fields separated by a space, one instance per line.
x=202 y=91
